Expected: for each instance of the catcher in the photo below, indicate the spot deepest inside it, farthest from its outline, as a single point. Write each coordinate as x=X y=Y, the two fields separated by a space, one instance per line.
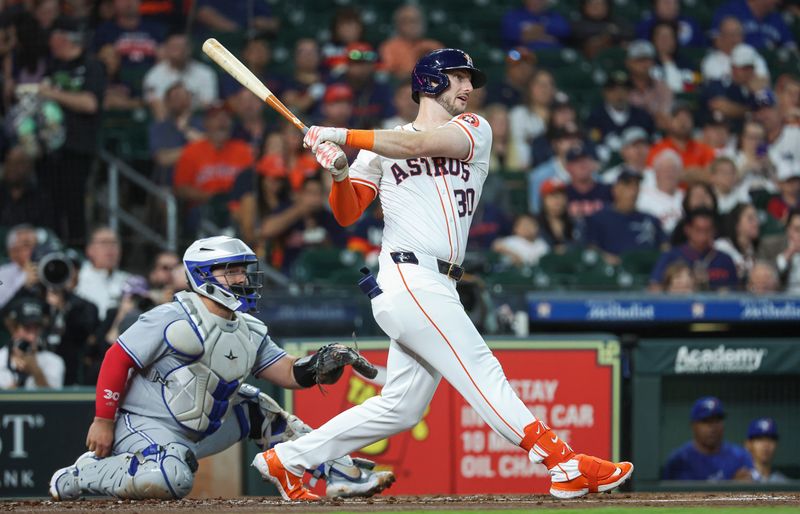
x=186 y=398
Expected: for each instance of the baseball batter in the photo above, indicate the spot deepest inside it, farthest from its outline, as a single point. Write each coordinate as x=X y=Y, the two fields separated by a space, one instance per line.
x=429 y=175
x=186 y=398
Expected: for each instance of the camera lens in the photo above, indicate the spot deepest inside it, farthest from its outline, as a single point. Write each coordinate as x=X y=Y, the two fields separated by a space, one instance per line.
x=55 y=270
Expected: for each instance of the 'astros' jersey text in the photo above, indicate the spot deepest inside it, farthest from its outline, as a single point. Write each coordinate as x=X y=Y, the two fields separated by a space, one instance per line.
x=428 y=202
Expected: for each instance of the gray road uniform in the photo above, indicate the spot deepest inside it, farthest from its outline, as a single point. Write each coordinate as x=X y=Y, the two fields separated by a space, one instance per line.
x=186 y=400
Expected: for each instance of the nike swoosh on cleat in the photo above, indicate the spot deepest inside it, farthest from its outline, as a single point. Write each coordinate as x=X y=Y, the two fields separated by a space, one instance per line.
x=554 y=439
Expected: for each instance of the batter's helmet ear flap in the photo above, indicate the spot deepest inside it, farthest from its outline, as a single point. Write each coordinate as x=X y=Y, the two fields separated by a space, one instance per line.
x=428 y=80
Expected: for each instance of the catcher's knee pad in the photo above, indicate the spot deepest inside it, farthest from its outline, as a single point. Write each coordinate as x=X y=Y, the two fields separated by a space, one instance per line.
x=156 y=472
x=165 y=472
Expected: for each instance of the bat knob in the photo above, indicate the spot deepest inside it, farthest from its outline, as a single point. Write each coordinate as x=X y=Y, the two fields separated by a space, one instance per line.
x=340 y=163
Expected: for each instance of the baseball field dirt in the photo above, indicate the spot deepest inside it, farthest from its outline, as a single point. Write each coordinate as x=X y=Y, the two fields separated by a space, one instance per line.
x=684 y=503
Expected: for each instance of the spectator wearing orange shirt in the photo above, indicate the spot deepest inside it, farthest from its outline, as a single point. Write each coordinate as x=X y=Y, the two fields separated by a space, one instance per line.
x=208 y=167
x=696 y=156
x=400 y=52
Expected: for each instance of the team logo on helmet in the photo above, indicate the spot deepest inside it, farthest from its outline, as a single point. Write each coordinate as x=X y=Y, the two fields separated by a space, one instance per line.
x=470 y=118
x=469 y=59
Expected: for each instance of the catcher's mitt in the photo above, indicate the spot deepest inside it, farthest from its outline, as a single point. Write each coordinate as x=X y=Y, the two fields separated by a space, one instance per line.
x=327 y=365
x=332 y=358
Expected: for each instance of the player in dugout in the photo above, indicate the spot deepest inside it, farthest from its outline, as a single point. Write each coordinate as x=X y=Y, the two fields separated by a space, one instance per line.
x=186 y=398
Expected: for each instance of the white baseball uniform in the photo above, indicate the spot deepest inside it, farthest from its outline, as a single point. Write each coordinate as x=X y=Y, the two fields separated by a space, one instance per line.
x=428 y=205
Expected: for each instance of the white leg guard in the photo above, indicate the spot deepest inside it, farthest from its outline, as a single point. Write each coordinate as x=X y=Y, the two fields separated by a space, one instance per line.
x=157 y=472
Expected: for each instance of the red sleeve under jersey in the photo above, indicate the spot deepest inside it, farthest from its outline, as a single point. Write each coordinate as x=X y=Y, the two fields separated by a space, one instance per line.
x=111 y=382
x=349 y=200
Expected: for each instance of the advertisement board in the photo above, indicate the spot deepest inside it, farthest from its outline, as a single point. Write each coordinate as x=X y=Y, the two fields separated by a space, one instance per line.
x=572 y=384
x=39 y=433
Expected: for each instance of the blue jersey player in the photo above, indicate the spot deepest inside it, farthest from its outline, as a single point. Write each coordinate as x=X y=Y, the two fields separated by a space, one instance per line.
x=707 y=456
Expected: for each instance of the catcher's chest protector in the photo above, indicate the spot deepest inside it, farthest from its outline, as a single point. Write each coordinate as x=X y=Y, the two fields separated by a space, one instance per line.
x=218 y=356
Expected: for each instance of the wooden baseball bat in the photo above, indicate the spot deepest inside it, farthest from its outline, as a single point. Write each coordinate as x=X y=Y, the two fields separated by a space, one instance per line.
x=236 y=69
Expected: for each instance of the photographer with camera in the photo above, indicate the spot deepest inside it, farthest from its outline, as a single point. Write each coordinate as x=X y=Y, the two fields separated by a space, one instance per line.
x=25 y=363
x=73 y=320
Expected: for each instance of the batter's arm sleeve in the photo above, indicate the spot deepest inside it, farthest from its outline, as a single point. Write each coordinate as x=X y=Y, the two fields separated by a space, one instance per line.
x=350 y=197
x=349 y=200
x=111 y=382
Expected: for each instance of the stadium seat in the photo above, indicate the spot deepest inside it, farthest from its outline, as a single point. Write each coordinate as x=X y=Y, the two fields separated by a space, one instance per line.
x=640 y=262
x=630 y=10
x=325 y=264
x=603 y=278
x=634 y=272
x=125 y=134
x=611 y=58
x=511 y=276
x=516 y=183
x=701 y=10
x=569 y=262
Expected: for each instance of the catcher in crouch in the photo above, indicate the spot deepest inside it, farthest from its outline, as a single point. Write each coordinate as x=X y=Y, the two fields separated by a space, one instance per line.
x=186 y=398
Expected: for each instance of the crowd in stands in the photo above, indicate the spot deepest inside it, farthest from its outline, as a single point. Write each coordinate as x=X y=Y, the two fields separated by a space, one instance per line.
x=683 y=148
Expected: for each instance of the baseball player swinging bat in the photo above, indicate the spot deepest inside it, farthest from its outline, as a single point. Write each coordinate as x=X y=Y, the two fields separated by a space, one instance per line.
x=228 y=62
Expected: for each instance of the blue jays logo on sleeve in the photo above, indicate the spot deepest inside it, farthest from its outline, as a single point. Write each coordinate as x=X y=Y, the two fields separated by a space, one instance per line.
x=470 y=118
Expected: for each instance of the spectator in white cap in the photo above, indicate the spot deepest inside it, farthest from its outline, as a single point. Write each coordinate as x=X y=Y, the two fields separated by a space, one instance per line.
x=717 y=64
x=634 y=151
x=647 y=92
x=733 y=97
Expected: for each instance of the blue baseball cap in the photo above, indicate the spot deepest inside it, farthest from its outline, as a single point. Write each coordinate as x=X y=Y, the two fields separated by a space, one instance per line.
x=762 y=427
x=707 y=407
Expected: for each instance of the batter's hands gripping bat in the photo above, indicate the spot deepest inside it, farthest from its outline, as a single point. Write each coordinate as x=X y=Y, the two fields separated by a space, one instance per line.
x=236 y=69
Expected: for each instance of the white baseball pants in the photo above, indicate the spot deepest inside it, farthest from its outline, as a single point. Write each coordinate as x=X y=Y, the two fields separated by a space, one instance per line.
x=431 y=337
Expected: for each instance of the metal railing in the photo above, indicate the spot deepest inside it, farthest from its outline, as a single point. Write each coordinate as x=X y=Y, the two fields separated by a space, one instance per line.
x=118 y=169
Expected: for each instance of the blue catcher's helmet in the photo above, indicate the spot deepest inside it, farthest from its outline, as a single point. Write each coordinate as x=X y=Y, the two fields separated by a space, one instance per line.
x=205 y=255
x=429 y=75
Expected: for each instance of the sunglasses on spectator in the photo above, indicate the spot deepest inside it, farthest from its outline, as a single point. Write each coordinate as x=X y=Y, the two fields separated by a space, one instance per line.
x=362 y=55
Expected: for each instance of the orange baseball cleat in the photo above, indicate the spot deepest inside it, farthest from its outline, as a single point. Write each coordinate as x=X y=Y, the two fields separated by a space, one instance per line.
x=572 y=475
x=594 y=476
x=289 y=485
